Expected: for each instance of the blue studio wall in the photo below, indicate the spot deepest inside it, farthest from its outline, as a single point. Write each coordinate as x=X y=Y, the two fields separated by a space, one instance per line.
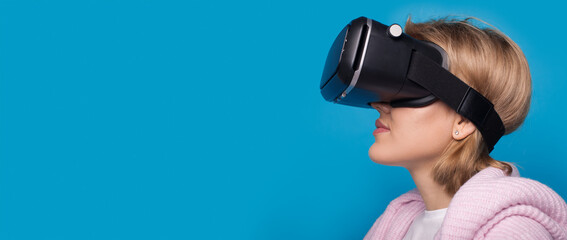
x=203 y=120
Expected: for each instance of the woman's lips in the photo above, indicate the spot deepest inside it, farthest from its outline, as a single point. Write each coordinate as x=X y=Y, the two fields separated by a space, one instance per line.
x=380 y=128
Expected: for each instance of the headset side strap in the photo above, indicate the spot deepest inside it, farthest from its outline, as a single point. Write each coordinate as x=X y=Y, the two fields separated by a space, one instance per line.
x=458 y=95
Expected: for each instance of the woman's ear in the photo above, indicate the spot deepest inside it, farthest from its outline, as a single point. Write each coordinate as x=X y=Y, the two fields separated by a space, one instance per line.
x=462 y=128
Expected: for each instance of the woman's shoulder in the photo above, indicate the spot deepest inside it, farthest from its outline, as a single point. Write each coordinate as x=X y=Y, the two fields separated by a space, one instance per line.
x=492 y=188
x=491 y=198
x=406 y=206
x=396 y=219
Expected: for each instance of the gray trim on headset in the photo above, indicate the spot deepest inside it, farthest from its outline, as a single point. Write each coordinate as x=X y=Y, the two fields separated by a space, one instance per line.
x=357 y=72
x=444 y=55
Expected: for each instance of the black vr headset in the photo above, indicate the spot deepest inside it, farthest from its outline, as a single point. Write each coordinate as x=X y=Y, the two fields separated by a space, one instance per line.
x=371 y=62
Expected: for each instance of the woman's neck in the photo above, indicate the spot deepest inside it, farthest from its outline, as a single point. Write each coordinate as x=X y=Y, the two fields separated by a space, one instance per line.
x=432 y=193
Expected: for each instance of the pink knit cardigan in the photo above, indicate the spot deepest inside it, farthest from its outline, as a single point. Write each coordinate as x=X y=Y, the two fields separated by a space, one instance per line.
x=490 y=205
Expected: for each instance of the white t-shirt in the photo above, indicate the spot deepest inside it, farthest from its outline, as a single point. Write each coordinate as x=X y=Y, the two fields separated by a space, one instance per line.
x=426 y=225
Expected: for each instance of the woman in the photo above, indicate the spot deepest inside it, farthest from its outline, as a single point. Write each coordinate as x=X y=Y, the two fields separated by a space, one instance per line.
x=463 y=193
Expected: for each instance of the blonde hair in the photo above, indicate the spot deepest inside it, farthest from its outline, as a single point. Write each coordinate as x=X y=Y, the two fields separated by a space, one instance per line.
x=491 y=63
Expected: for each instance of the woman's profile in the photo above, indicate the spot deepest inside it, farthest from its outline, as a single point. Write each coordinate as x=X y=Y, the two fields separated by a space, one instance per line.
x=461 y=192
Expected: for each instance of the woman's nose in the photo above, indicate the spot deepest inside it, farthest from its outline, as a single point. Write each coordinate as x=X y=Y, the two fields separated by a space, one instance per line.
x=382 y=107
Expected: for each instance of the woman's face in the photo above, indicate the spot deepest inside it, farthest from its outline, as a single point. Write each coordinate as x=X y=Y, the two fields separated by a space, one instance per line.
x=410 y=137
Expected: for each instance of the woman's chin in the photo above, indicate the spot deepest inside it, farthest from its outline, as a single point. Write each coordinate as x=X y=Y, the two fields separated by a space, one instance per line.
x=380 y=155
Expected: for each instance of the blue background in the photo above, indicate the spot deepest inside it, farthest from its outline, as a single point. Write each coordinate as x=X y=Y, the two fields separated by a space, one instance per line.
x=203 y=120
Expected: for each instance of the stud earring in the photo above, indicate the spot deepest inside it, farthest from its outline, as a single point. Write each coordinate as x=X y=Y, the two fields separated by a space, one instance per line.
x=457 y=132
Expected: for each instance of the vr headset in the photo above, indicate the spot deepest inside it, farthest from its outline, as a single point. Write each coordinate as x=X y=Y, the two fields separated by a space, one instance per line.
x=371 y=62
